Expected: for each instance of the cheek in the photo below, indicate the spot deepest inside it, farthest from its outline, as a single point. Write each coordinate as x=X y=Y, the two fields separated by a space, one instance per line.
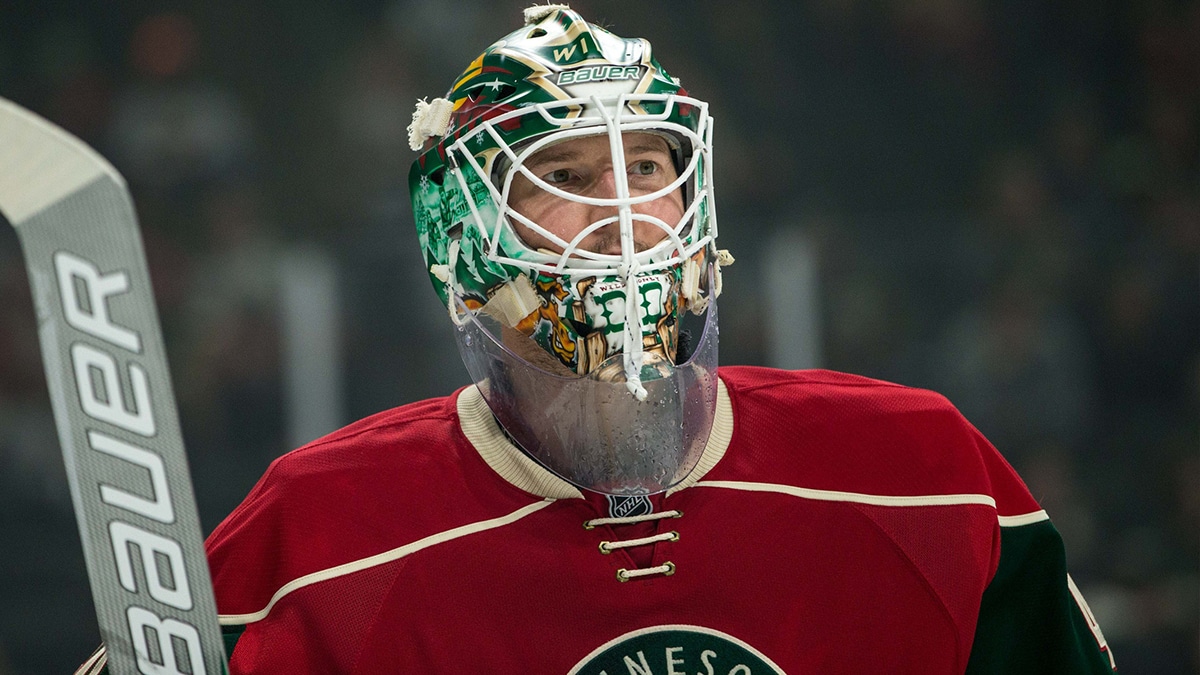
x=669 y=209
x=560 y=217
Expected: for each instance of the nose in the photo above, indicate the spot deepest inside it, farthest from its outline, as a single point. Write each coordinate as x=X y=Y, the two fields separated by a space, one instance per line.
x=606 y=239
x=605 y=186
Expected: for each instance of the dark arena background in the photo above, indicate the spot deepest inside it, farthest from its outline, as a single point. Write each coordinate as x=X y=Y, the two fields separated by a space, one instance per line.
x=996 y=199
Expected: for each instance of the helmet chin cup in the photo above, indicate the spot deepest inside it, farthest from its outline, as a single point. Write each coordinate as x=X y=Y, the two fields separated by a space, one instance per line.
x=587 y=429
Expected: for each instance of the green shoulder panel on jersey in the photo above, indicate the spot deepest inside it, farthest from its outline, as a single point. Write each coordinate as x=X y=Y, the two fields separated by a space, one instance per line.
x=1032 y=619
x=97 y=663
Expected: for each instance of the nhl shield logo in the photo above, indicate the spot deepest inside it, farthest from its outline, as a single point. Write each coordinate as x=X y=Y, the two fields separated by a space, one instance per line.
x=676 y=649
x=624 y=506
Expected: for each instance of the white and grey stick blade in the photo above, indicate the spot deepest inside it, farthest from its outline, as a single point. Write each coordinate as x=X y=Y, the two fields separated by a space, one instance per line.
x=114 y=407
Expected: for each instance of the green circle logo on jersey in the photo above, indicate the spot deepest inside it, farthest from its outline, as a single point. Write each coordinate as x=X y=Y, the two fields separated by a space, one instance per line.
x=676 y=650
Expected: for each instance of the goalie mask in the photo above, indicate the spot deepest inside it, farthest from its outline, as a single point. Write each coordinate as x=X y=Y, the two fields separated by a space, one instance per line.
x=563 y=201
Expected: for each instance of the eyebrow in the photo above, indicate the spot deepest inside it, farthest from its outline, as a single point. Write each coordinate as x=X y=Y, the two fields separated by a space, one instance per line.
x=552 y=154
x=661 y=146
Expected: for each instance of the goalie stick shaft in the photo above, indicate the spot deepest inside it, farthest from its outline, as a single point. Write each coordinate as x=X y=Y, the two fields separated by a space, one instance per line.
x=113 y=403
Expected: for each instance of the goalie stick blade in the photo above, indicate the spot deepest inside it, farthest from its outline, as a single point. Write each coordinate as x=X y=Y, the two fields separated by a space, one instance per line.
x=113 y=404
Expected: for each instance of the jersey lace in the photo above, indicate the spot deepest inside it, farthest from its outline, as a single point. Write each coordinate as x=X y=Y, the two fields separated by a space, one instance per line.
x=606 y=547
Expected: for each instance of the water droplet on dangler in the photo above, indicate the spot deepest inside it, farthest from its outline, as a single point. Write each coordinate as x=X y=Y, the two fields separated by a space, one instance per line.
x=467 y=339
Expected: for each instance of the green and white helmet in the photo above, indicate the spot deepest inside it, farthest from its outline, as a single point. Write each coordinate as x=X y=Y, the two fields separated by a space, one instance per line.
x=576 y=351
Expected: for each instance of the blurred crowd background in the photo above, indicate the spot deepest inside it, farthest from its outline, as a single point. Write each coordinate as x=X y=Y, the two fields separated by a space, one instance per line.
x=998 y=199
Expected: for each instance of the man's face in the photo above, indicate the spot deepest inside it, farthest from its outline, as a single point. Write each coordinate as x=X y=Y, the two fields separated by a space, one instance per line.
x=583 y=166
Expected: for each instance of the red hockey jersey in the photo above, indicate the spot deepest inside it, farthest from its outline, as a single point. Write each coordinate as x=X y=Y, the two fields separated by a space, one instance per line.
x=835 y=524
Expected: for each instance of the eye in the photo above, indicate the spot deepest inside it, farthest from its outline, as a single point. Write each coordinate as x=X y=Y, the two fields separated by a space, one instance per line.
x=645 y=168
x=557 y=176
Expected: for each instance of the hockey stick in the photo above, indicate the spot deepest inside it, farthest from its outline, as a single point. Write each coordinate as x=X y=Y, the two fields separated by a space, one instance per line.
x=113 y=403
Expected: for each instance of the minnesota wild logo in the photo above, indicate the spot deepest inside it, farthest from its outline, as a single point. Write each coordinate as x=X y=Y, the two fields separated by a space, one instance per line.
x=676 y=650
